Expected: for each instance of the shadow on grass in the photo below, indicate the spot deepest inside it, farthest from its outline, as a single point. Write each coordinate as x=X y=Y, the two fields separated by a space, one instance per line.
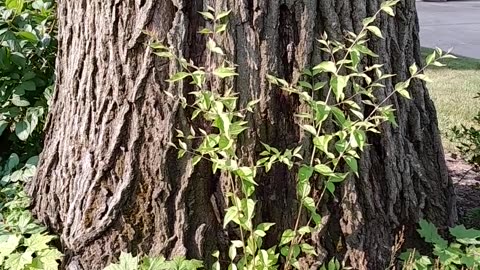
x=461 y=63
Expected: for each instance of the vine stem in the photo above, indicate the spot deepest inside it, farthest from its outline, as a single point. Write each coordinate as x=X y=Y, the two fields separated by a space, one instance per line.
x=297 y=222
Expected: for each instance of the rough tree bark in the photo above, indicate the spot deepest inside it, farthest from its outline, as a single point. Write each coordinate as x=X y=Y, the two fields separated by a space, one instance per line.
x=108 y=181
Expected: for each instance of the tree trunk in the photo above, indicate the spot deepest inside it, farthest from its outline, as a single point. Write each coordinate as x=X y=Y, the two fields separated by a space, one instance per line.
x=108 y=181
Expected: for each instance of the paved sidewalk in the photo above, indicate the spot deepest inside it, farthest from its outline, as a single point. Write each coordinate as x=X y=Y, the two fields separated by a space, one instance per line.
x=453 y=24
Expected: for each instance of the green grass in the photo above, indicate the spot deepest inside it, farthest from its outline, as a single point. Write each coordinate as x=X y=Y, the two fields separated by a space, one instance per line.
x=452 y=91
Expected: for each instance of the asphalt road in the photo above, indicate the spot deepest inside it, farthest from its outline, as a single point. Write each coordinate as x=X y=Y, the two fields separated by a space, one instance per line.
x=453 y=24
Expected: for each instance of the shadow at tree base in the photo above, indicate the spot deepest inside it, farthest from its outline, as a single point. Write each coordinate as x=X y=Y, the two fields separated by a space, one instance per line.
x=466 y=179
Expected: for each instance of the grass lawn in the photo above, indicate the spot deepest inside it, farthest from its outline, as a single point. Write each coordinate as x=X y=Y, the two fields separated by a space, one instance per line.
x=452 y=91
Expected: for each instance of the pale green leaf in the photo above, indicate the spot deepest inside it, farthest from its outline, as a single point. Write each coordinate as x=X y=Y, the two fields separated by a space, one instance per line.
x=195 y=160
x=404 y=93
x=375 y=30
x=231 y=215
x=264 y=226
x=20 y=101
x=49 y=259
x=431 y=58
x=205 y=31
x=15 y=5
x=232 y=252
x=207 y=15
x=178 y=76
x=310 y=129
x=223 y=14
x=287 y=237
x=323 y=169
x=22 y=130
x=37 y=242
x=308 y=249
x=327 y=66
x=438 y=64
x=225 y=72
x=165 y=54
x=368 y=21
x=182 y=144
x=413 y=69
x=388 y=10
x=338 y=84
x=18 y=261
x=9 y=243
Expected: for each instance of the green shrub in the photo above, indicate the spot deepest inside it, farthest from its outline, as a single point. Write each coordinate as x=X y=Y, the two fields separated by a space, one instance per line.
x=468 y=140
x=27 y=58
x=24 y=243
x=128 y=262
x=462 y=253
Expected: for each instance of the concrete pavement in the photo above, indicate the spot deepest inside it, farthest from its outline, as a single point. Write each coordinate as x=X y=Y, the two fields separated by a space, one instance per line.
x=453 y=24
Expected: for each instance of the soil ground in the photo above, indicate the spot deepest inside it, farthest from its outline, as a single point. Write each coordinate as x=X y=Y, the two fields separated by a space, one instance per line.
x=466 y=179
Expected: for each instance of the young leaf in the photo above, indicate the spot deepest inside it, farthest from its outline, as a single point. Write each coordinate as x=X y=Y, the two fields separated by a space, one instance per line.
x=310 y=129
x=223 y=14
x=15 y=5
x=178 y=76
x=323 y=169
x=182 y=144
x=305 y=84
x=207 y=15
x=220 y=29
x=413 y=69
x=338 y=84
x=22 y=130
x=331 y=187
x=365 y=50
x=308 y=249
x=358 y=139
x=321 y=142
x=388 y=10
x=327 y=66
x=431 y=58
x=305 y=173
x=205 y=31
x=231 y=215
x=404 y=93
x=287 y=237
x=319 y=85
x=375 y=30
x=18 y=261
x=195 y=160
x=368 y=21
x=9 y=244
x=225 y=72
x=37 y=242
x=232 y=252
x=352 y=163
